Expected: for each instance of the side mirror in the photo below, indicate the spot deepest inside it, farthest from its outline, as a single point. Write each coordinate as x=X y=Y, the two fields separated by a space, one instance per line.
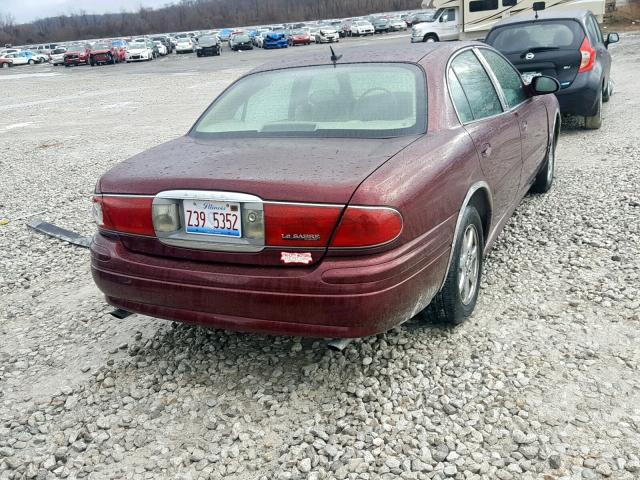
x=612 y=38
x=543 y=85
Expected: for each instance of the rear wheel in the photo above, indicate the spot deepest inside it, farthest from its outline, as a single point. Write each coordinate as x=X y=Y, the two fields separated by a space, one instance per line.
x=32 y=61
x=594 y=122
x=457 y=298
x=5 y=65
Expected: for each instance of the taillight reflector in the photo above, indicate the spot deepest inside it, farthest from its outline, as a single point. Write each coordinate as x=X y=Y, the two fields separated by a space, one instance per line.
x=299 y=225
x=367 y=227
x=125 y=214
x=588 y=55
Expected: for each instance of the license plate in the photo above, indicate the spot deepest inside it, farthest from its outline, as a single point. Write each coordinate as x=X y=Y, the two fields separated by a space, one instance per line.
x=203 y=217
x=527 y=77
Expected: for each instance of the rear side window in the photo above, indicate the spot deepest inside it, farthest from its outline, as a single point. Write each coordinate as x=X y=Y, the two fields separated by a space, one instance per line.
x=459 y=98
x=509 y=79
x=476 y=85
x=595 y=35
x=541 y=35
x=482 y=5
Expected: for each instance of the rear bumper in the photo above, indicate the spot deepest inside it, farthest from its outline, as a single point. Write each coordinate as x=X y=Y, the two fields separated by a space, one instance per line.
x=339 y=297
x=581 y=97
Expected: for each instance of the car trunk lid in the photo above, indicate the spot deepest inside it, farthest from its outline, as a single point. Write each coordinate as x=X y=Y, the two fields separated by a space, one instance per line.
x=277 y=170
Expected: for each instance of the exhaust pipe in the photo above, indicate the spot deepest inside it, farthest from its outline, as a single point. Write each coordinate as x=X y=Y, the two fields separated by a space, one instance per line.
x=339 y=344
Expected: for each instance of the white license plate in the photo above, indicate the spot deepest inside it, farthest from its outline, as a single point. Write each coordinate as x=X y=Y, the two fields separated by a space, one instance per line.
x=527 y=77
x=203 y=217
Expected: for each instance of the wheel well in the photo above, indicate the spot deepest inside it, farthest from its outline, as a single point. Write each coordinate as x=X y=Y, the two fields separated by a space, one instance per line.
x=480 y=201
x=432 y=35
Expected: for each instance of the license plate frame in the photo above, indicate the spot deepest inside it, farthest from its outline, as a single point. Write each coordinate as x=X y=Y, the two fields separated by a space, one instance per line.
x=212 y=218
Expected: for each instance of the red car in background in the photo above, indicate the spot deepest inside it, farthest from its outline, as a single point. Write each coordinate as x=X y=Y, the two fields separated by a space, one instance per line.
x=103 y=53
x=6 y=62
x=299 y=37
x=330 y=198
x=77 y=54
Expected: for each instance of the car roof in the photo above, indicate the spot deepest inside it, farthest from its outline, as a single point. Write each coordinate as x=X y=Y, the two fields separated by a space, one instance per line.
x=578 y=14
x=413 y=53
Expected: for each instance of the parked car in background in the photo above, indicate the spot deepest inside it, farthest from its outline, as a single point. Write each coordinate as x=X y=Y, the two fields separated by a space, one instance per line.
x=275 y=40
x=345 y=28
x=566 y=45
x=397 y=24
x=381 y=25
x=225 y=33
x=33 y=58
x=16 y=59
x=357 y=152
x=6 y=62
x=208 y=45
x=185 y=45
x=103 y=53
x=56 y=57
x=166 y=41
x=327 y=35
x=299 y=37
x=240 y=41
x=77 y=54
x=162 y=49
x=139 y=52
x=361 y=27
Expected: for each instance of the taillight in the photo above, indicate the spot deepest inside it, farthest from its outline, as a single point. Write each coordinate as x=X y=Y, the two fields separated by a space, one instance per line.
x=367 y=227
x=588 y=55
x=299 y=225
x=124 y=214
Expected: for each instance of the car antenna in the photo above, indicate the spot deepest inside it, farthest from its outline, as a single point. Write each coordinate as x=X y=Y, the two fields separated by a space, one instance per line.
x=334 y=57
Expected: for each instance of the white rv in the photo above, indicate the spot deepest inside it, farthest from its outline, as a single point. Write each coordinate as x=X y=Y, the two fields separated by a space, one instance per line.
x=472 y=19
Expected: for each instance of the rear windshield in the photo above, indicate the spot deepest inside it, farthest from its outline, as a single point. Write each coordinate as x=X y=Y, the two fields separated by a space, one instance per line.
x=541 y=35
x=352 y=100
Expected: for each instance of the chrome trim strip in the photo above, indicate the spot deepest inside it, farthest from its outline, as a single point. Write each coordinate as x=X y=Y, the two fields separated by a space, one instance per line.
x=212 y=195
x=123 y=195
x=492 y=76
x=304 y=204
x=473 y=189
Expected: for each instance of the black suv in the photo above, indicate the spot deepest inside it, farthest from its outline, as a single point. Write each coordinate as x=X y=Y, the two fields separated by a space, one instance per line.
x=567 y=45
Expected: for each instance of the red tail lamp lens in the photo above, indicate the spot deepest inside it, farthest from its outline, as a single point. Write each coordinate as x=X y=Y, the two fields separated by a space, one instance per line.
x=291 y=225
x=588 y=55
x=367 y=227
x=126 y=214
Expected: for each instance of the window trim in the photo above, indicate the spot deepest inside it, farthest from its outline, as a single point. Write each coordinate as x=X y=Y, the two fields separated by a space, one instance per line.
x=498 y=89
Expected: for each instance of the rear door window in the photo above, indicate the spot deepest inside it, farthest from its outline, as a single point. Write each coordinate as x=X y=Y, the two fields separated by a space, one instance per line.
x=459 y=98
x=477 y=86
x=538 y=36
x=509 y=79
x=595 y=35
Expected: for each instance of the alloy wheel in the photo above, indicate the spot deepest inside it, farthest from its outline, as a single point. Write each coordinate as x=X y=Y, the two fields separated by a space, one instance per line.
x=468 y=265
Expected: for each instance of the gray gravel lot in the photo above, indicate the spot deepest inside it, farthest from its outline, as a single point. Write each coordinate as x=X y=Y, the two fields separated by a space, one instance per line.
x=542 y=382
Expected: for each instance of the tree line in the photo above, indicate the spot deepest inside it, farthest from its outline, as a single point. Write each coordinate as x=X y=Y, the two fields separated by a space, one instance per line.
x=188 y=15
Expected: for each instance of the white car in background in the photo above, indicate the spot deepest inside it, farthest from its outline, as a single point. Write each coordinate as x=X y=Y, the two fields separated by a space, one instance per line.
x=184 y=45
x=162 y=49
x=57 y=56
x=139 y=52
x=16 y=58
x=397 y=24
x=362 y=27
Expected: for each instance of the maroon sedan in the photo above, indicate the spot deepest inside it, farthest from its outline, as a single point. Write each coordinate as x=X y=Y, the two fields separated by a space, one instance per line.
x=299 y=37
x=329 y=201
x=103 y=53
x=77 y=54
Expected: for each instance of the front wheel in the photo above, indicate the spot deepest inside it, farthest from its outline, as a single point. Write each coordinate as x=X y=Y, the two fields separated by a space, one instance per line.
x=430 y=38
x=457 y=298
x=595 y=122
x=544 y=179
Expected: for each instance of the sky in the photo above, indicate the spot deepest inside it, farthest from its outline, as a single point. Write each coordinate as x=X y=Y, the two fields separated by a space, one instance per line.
x=28 y=10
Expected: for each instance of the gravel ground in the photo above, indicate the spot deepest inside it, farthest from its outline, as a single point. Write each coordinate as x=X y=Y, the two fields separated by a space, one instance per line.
x=542 y=382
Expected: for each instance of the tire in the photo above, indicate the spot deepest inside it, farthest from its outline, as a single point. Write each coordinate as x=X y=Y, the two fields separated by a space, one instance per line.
x=606 y=93
x=595 y=122
x=112 y=60
x=455 y=303
x=31 y=61
x=544 y=179
x=430 y=38
x=5 y=65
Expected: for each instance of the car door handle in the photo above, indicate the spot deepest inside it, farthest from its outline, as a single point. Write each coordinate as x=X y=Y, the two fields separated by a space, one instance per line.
x=486 y=150
x=525 y=125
